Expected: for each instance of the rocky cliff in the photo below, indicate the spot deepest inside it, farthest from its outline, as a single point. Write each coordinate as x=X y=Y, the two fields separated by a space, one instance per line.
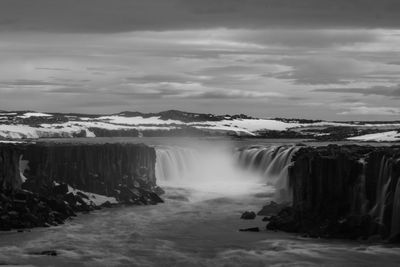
x=97 y=168
x=44 y=184
x=345 y=192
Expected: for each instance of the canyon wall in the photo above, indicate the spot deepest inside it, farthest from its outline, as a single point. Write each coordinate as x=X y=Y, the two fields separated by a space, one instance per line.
x=345 y=192
x=9 y=166
x=97 y=168
x=44 y=184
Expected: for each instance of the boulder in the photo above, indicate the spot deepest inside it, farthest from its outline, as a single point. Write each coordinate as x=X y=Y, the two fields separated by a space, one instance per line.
x=248 y=215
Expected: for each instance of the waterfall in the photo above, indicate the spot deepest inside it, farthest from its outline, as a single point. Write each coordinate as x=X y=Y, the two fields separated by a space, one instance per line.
x=174 y=163
x=207 y=169
x=386 y=209
x=272 y=162
x=395 y=229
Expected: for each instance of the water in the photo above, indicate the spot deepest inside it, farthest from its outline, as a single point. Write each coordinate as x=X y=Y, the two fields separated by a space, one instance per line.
x=206 y=192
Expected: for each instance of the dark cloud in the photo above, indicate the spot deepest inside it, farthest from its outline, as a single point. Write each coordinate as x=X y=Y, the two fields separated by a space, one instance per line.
x=24 y=82
x=55 y=69
x=376 y=90
x=130 y=15
x=158 y=78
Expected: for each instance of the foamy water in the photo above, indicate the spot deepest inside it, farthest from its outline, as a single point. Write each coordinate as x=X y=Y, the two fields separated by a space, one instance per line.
x=182 y=232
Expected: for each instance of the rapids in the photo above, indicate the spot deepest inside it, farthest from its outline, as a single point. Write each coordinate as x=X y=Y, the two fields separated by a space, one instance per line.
x=206 y=192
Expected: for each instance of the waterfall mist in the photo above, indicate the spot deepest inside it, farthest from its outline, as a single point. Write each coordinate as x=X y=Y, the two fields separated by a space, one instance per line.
x=225 y=170
x=209 y=169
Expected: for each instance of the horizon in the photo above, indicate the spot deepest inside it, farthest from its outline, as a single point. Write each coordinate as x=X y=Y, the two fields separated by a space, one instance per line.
x=183 y=111
x=318 y=59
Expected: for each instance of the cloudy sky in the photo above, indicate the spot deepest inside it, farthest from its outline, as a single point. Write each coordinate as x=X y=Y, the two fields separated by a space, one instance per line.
x=337 y=60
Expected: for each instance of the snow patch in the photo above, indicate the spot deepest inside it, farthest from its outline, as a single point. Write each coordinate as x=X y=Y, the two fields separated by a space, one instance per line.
x=390 y=136
x=34 y=114
x=95 y=199
x=137 y=120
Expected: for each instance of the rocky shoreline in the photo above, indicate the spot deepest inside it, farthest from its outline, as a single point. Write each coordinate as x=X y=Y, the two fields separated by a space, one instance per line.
x=44 y=184
x=350 y=192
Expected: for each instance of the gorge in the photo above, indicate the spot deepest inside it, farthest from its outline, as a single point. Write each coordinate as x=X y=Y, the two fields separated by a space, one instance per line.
x=342 y=192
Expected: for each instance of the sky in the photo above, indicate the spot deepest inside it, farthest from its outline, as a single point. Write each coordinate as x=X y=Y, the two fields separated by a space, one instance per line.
x=316 y=59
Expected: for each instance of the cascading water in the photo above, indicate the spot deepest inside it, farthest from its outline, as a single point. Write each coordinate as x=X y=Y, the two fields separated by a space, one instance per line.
x=273 y=163
x=386 y=209
x=209 y=169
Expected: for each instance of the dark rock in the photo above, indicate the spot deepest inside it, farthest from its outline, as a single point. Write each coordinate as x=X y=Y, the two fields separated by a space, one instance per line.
x=82 y=195
x=253 y=229
x=267 y=219
x=284 y=220
x=107 y=204
x=60 y=189
x=248 y=215
x=342 y=192
x=272 y=209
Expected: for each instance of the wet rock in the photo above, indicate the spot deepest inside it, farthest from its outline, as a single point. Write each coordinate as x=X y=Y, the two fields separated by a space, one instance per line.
x=252 y=229
x=284 y=220
x=271 y=209
x=248 y=215
x=107 y=204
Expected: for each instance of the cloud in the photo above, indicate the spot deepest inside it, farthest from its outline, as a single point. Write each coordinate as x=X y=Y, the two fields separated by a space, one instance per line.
x=121 y=15
x=233 y=94
x=390 y=91
x=364 y=110
x=25 y=82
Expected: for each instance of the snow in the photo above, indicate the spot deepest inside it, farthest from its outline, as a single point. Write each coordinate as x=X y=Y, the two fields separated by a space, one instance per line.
x=390 y=136
x=117 y=122
x=137 y=120
x=35 y=114
x=95 y=198
x=10 y=142
x=248 y=126
x=224 y=129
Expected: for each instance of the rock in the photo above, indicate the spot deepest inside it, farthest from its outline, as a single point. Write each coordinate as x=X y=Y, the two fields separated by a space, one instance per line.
x=158 y=190
x=82 y=195
x=248 y=215
x=154 y=198
x=267 y=218
x=284 y=220
x=342 y=192
x=60 y=189
x=271 y=209
x=107 y=204
x=96 y=168
x=253 y=229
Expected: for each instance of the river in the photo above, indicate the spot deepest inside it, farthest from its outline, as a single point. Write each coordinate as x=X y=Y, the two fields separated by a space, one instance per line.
x=196 y=226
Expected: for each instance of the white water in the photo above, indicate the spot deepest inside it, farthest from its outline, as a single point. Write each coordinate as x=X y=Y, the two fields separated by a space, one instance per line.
x=208 y=170
x=272 y=162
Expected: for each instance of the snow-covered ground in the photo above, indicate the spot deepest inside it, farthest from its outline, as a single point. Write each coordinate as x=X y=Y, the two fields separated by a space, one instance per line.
x=390 y=136
x=137 y=120
x=13 y=125
x=95 y=198
x=34 y=114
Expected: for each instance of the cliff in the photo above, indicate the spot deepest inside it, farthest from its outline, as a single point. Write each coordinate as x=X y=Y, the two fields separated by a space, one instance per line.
x=97 y=168
x=344 y=192
x=44 y=184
